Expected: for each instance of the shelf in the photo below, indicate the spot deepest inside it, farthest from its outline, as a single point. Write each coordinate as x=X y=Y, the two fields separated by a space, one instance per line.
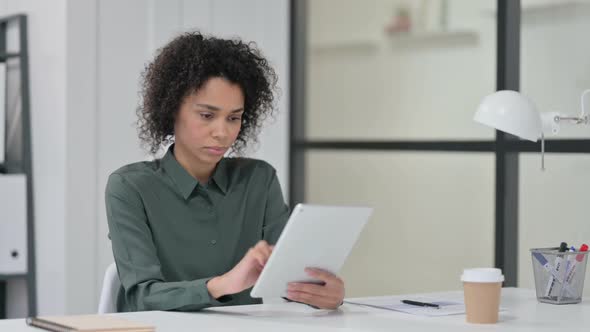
x=403 y=39
x=22 y=162
x=4 y=277
x=547 y=6
x=441 y=38
x=531 y=6
x=344 y=46
x=5 y=56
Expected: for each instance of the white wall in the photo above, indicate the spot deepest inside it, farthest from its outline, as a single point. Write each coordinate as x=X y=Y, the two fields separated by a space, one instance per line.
x=417 y=90
x=555 y=66
x=81 y=164
x=364 y=84
x=555 y=69
x=123 y=48
x=553 y=207
x=86 y=57
x=410 y=244
x=47 y=61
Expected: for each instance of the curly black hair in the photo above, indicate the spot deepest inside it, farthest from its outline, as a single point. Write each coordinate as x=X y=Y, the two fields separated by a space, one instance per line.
x=183 y=65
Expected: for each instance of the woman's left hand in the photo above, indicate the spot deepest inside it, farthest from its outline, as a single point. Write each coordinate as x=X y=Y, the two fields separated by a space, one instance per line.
x=327 y=296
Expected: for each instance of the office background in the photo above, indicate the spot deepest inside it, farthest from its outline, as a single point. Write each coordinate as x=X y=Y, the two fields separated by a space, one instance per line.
x=387 y=121
x=347 y=82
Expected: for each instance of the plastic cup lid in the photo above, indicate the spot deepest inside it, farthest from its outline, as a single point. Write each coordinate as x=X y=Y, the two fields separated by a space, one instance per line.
x=482 y=275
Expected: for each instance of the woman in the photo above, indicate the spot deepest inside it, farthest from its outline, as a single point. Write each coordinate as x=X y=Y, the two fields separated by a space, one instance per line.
x=193 y=229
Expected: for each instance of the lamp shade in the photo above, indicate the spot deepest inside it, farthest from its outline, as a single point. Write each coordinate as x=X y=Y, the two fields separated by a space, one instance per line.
x=511 y=112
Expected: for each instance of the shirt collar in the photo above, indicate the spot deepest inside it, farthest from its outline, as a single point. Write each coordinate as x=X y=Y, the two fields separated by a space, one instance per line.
x=221 y=175
x=185 y=182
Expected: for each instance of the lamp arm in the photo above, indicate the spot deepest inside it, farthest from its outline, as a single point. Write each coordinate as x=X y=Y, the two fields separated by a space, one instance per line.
x=553 y=119
x=542 y=152
x=583 y=114
x=574 y=119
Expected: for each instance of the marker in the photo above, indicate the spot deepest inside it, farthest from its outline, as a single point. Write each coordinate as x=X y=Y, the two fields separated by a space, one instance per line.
x=569 y=259
x=545 y=264
x=558 y=263
x=583 y=248
x=572 y=269
x=421 y=304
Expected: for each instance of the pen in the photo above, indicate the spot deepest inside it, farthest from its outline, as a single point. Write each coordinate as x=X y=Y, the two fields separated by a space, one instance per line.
x=421 y=304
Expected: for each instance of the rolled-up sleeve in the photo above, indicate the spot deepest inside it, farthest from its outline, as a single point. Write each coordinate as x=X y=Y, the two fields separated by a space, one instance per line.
x=143 y=283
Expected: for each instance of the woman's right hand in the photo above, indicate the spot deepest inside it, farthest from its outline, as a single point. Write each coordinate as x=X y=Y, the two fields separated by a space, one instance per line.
x=244 y=274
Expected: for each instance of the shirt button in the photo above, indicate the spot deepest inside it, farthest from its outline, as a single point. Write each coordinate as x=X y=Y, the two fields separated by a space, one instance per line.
x=213 y=242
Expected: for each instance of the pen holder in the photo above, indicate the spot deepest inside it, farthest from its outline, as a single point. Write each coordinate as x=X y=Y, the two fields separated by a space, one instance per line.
x=559 y=276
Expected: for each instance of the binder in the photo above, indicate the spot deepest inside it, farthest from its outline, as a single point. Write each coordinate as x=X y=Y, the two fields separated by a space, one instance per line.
x=87 y=323
x=13 y=224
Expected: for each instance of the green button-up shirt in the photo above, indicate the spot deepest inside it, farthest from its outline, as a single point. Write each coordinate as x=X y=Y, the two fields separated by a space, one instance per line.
x=170 y=234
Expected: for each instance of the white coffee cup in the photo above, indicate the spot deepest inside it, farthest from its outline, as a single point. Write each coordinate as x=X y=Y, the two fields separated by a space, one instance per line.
x=482 y=288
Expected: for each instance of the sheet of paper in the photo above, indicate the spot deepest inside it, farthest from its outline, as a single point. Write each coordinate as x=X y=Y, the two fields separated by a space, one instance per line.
x=446 y=308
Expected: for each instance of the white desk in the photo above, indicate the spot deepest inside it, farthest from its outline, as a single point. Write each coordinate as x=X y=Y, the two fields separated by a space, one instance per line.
x=524 y=314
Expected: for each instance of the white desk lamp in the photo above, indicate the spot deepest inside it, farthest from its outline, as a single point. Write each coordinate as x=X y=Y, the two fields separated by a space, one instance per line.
x=513 y=113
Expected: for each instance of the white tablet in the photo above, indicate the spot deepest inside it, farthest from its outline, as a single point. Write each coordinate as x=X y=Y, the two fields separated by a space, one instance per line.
x=315 y=236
